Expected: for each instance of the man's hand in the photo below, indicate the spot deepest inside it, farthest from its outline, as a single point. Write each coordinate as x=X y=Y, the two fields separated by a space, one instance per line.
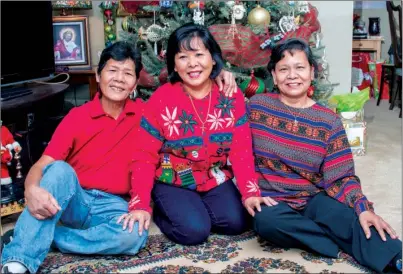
x=368 y=218
x=41 y=204
x=226 y=82
x=254 y=202
x=142 y=216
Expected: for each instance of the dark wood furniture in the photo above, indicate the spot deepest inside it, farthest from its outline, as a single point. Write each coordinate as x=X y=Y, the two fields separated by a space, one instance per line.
x=79 y=77
x=396 y=67
x=39 y=93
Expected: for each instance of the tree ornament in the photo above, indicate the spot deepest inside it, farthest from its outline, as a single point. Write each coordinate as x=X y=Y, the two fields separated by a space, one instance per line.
x=311 y=91
x=259 y=16
x=126 y=24
x=166 y=4
x=230 y=4
x=302 y=6
x=107 y=5
x=196 y=5
x=153 y=33
x=252 y=86
x=287 y=24
x=271 y=42
x=238 y=11
x=198 y=15
x=108 y=14
x=112 y=37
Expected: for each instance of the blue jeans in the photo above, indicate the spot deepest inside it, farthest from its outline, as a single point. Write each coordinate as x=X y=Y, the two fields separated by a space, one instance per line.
x=187 y=217
x=88 y=220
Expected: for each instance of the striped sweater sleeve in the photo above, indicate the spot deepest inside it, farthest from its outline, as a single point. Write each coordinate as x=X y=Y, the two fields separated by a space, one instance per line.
x=241 y=154
x=340 y=181
x=145 y=159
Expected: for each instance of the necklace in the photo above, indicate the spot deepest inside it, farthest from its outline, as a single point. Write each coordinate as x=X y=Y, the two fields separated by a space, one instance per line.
x=295 y=117
x=198 y=116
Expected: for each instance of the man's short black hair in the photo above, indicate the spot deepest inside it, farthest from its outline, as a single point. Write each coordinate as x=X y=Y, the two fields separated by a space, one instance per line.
x=181 y=39
x=120 y=51
x=290 y=45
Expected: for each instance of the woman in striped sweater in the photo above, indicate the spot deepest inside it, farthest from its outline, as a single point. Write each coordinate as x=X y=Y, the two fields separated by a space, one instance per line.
x=304 y=163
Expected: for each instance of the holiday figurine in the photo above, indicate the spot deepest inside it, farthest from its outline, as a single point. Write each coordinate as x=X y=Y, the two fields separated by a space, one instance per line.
x=8 y=144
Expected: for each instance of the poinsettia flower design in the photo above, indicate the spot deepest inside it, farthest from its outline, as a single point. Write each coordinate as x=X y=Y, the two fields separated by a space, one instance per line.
x=170 y=121
x=252 y=186
x=216 y=120
x=230 y=120
x=225 y=104
x=134 y=200
x=187 y=122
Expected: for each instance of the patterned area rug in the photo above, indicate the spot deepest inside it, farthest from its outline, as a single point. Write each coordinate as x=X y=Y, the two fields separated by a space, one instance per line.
x=245 y=253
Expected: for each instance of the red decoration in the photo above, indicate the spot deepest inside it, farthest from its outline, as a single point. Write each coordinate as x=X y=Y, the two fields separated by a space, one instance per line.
x=311 y=90
x=108 y=14
x=242 y=47
x=8 y=145
x=134 y=6
x=146 y=80
x=163 y=77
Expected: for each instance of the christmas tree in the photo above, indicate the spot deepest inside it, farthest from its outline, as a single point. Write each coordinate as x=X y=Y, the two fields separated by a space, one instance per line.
x=245 y=30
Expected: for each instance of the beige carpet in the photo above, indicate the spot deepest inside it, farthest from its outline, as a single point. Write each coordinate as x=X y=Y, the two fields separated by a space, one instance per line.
x=381 y=175
x=381 y=169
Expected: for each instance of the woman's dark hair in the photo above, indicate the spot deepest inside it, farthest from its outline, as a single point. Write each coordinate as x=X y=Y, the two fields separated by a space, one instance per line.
x=291 y=45
x=181 y=39
x=121 y=51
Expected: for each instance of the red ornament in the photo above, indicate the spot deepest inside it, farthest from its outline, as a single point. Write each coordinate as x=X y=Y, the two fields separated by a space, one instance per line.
x=163 y=77
x=134 y=6
x=108 y=14
x=310 y=92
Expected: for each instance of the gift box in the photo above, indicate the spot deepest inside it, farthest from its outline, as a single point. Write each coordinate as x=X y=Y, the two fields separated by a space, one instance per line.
x=352 y=116
x=357 y=137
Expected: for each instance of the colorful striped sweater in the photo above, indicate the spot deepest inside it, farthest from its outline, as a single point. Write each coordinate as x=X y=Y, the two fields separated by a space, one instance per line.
x=175 y=147
x=294 y=162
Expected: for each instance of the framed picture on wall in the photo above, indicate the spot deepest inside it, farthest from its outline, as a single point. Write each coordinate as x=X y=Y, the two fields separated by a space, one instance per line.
x=71 y=44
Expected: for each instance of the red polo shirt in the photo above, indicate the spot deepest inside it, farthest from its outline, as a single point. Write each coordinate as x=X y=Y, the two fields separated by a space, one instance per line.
x=97 y=146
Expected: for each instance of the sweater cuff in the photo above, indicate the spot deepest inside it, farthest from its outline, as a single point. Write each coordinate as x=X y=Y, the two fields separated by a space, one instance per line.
x=252 y=190
x=362 y=206
x=136 y=204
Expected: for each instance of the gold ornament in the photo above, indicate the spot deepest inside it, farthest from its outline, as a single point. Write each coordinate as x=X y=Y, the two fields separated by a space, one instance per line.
x=125 y=23
x=259 y=16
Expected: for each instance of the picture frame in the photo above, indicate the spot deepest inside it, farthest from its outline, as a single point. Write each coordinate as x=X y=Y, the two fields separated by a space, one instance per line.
x=71 y=44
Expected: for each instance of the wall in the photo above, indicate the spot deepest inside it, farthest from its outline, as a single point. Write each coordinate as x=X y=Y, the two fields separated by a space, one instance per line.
x=335 y=18
x=336 y=21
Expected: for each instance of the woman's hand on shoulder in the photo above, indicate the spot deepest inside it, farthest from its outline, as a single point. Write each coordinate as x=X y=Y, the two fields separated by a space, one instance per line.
x=254 y=202
x=226 y=83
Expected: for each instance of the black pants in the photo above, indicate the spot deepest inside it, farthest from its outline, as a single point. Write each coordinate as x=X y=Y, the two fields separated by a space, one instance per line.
x=187 y=217
x=324 y=226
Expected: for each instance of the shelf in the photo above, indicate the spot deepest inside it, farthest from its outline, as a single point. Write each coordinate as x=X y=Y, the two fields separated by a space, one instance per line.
x=11 y=208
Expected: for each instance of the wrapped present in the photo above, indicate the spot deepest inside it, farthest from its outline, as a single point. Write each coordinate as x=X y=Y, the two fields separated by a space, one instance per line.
x=352 y=116
x=357 y=137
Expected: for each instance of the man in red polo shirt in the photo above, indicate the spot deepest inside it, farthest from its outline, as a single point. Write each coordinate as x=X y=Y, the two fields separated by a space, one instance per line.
x=83 y=175
x=82 y=178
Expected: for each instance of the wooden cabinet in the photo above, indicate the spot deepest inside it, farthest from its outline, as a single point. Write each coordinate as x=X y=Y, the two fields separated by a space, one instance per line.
x=370 y=44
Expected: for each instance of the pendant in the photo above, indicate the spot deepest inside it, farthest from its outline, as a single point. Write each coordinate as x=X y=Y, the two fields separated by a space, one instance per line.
x=203 y=128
